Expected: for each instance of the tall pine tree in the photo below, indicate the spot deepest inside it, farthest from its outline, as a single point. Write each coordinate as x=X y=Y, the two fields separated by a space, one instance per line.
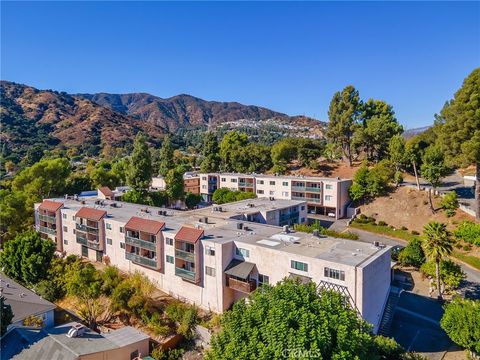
x=166 y=156
x=139 y=174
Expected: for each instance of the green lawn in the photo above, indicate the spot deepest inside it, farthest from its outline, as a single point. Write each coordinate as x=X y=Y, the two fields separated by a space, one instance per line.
x=384 y=230
x=469 y=259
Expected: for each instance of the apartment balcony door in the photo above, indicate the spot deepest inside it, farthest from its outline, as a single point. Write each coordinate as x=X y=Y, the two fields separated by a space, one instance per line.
x=84 y=251
x=99 y=256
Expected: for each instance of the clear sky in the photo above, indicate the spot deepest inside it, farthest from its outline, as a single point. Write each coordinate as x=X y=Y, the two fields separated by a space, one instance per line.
x=290 y=57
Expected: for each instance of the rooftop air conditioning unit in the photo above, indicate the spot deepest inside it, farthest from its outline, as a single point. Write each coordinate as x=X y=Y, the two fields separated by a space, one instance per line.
x=239 y=226
x=376 y=243
x=76 y=331
x=286 y=230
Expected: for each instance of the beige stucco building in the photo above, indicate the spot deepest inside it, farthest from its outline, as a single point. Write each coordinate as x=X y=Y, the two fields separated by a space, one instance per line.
x=216 y=255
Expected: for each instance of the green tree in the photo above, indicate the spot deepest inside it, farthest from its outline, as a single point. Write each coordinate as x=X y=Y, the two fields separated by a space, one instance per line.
x=174 y=185
x=451 y=274
x=78 y=182
x=42 y=180
x=166 y=161
x=231 y=149
x=397 y=154
x=283 y=152
x=256 y=158
x=27 y=257
x=15 y=213
x=433 y=170
x=211 y=153
x=85 y=284
x=449 y=203
x=437 y=244
x=459 y=132
x=460 y=322
x=139 y=174
x=469 y=232
x=413 y=254
x=343 y=114
x=6 y=316
x=192 y=200
x=279 y=322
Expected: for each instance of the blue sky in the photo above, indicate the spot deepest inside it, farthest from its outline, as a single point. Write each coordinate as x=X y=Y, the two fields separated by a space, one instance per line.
x=290 y=57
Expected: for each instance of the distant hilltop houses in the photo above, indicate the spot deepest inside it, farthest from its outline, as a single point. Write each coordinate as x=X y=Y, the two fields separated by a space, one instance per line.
x=218 y=254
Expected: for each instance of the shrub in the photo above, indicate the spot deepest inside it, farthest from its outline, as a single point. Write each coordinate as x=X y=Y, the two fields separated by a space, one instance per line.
x=382 y=223
x=168 y=354
x=324 y=231
x=413 y=254
x=403 y=228
x=467 y=247
x=451 y=274
x=414 y=232
x=185 y=316
x=155 y=324
x=468 y=232
x=449 y=203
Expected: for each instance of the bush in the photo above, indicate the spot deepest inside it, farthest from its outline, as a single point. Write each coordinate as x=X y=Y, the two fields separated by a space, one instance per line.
x=414 y=232
x=467 y=247
x=169 y=354
x=451 y=274
x=185 y=316
x=404 y=228
x=324 y=231
x=382 y=223
x=224 y=195
x=413 y=254
x=468 y=232
x=449 y=203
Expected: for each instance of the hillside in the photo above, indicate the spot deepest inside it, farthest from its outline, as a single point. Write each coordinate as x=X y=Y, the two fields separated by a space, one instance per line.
x=32 y=117
x=184 y=111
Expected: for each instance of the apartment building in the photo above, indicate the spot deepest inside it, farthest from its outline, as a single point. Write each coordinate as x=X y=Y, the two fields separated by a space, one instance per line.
x=217 y=255
x=324 y=196
x=191 y=183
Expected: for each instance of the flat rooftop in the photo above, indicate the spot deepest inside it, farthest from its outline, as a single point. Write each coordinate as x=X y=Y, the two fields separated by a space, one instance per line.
x=221 y=228
x=292 y=177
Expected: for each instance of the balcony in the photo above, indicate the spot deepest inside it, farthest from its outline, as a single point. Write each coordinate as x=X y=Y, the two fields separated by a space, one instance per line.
x=245 y=184
x=298 y=188
x=314 y=200
x=86 y=228
x=152 y=263
x=140 y=243
x=47 y=230
x=185 y=274
x=93 y=244
x=293 y=215
x=312 y=189
x=47 y=218
x=299 y=198
x=185 y=255
x=246 y=286
x=81 y=240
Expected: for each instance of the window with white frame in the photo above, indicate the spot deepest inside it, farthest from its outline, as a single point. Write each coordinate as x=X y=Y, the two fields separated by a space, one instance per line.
x=263 y=279
x=65 y=241
x=209 y=250
x=122 y=245
x=260 y=182
x=245 y=253
x=169 y=241
x=260 y=191
x=328 y=186
x=109 y=241
x=223 y=179
x=64 y=216
x=328 y=197
x=285 y=183
x=298 y=265
x=109 y=226
x=233 y=180
x=65 y=229
x=209 y=271
x=285 y=193
x=334 y=274
x=272 y=182
x=122 y=230
x=272 y=192
x=170 y=259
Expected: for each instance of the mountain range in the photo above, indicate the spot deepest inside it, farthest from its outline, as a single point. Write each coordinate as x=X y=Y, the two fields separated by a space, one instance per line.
x=50 y=118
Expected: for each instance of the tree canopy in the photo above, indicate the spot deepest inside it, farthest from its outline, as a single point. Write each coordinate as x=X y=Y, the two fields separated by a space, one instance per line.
x=210 y=152
x=139 y=174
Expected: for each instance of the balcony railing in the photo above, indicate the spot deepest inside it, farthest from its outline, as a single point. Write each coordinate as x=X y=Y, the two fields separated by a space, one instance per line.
x=93 y=244
x=82 y=240
x=141 y=260
x=244 y=286
x=86 y=228
x=47 y=218
x=185 y=255
x=313 y=200
x=185 y=274
x=298 y=188
x=47 y=230
x=313 y=189
x=245 y=184
x=299 y=198
x=140 y=243
x=293 y=215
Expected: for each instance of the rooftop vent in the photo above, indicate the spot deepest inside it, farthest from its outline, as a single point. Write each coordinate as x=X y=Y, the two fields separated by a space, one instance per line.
x=239 y=226
x=316 y=232
x=76 y=331
x=286 y=229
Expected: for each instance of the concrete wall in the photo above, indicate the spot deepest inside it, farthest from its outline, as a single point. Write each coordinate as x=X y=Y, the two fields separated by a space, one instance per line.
x=121 y=353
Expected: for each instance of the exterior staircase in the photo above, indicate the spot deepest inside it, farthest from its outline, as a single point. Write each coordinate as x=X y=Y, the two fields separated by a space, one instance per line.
x=389 y=311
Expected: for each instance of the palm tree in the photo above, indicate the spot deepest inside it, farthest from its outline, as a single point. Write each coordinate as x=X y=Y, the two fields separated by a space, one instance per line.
x=437 y=244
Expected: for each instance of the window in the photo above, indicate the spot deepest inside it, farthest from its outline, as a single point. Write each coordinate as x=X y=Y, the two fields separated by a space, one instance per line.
x=84 y=251
x=65 y=229
x=204 y=178
x=73 y=217
x=122 y=229
x=109 y=241
x=328 y=197
x=170 y=259
x=297 y=265
x=209 y=271
x=73 y=231
x=334 y=274
x=233 y=180
x=328 y=187
x=272 y=192
x=285 y=193
x=65 y=241
x=260 y=191
x=242 y=252
x=223 y=180
x=169 y=241
x=109 y=226
x=302 y=207
x=285 y=183
x=263 y=279
x=302 y=220
x=209 y=251
x=64 y=216
x=272 y=182
x=134 y=355
x=260 y=182
x=204 y=186
x=122 y=245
